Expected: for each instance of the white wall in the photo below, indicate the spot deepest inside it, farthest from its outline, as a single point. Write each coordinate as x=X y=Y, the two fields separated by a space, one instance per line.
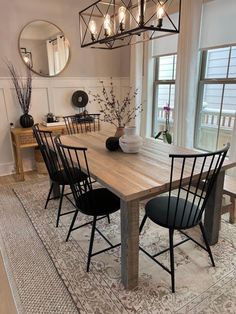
x=85 y=68
x=47 y=96
x=15 y=14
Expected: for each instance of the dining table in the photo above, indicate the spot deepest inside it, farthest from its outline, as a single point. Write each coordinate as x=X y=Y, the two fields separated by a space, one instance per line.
x=136 y=177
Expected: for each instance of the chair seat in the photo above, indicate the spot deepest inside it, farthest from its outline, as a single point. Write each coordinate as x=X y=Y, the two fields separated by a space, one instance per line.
x=156 y=209
x=61 y=177
x=98 y=202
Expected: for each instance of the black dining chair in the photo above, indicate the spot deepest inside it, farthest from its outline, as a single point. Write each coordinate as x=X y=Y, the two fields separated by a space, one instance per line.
x=81 y=123
x=97 y=203
x=192 y=178
x=54 y=167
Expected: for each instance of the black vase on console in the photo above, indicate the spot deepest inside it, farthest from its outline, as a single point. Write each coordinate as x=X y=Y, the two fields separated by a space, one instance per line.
x=26 y=120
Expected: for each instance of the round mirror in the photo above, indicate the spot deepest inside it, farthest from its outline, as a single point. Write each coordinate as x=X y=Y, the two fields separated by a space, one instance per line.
x=44 y=48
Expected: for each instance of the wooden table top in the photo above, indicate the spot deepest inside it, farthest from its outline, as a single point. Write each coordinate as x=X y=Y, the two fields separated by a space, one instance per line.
x=130 y=176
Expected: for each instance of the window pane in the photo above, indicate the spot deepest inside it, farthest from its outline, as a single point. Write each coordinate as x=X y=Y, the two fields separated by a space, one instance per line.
x=166 y=68
x=232 y=67
x=164 y=94
x=218 y=105
x=229 y=101
x=172 y=96
x=217 y=63
x=212 y=94
x=209 y=116
x=227 y=115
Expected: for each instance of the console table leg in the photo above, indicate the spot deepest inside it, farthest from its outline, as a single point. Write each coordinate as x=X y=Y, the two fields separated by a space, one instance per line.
x=19 y=164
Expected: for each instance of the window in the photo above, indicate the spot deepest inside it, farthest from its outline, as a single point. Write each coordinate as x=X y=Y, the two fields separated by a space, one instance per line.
x=164 y=91
x=216 y=98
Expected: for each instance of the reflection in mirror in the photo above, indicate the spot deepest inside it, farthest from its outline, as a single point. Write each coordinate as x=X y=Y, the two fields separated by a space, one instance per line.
x=44 y=48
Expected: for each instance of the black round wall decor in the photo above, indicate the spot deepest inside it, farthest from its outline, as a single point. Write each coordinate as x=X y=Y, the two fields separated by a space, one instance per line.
x=80 y=99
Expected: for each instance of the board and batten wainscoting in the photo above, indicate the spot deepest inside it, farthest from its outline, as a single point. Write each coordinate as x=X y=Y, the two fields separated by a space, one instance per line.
x=48 y=95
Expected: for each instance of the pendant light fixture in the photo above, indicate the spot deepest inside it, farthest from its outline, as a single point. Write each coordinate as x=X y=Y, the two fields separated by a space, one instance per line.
x=110 y=24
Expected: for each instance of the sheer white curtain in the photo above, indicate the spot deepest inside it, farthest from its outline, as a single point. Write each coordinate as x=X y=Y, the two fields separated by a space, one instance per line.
x=50 y=53
x=136 y=77
x=187 y=72
x=58 y=53
x=63 y=51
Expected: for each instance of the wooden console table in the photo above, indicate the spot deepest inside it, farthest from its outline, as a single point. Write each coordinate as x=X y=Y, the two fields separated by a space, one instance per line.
x=23 y=138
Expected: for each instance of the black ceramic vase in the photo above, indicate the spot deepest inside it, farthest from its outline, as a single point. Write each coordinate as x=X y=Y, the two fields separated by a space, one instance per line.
x=112 y=143
x=26 y=120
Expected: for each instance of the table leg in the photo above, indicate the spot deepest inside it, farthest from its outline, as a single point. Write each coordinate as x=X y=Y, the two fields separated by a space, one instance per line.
x=213 y=210
x=232 y=213
x=129 y=243
x=56 y=191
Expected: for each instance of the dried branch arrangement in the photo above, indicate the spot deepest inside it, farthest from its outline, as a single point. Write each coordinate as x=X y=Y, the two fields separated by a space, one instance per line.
x=23 y=87
x=118 y=113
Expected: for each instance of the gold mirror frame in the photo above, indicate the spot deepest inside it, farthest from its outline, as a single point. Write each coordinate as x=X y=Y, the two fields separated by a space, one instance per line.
x=28 y=53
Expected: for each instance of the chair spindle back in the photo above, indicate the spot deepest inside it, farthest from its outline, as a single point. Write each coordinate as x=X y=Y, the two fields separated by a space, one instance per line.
x=192 y=178
x=74 y=161
x=82 y=123
x=48 y=150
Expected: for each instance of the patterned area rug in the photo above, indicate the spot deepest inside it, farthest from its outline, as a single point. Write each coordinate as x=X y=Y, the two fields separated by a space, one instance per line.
x=200 y=288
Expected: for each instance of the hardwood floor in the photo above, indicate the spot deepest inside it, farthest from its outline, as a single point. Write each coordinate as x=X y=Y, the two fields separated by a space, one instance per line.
x=30 y=175
x=7 y=305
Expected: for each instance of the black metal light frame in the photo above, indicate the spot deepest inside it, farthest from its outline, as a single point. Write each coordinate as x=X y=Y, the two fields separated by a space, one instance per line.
x=121 y=36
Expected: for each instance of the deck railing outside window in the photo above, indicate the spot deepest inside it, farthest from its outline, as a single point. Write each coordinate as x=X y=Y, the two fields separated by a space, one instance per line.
x=216 y=98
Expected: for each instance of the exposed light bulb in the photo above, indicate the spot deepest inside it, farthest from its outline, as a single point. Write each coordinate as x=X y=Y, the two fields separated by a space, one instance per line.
x=107 y=25
x=121 y=13
x=160 y=14
x=93 y=29
x=26 y=59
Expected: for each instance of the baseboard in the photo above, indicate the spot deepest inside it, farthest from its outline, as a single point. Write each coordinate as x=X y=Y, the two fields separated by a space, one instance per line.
x=9 y=168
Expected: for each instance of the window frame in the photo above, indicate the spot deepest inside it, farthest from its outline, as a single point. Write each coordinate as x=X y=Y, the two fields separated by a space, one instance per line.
x=158 y=82
x=207 y=81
